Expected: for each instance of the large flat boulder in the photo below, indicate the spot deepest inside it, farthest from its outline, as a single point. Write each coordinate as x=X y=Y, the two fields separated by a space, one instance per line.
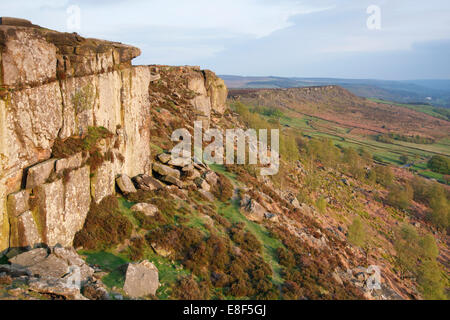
x=147 y=183
x=164 y=170
x=125 y=184
x=141 y=279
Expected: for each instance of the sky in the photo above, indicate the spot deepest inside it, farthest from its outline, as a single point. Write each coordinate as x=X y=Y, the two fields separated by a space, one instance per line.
x=376 y=39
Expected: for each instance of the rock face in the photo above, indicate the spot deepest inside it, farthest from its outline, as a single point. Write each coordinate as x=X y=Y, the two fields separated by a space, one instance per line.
x=141 y=279
x=55 y=86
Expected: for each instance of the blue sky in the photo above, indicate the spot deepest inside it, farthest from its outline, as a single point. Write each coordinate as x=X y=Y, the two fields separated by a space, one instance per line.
x=309 y=38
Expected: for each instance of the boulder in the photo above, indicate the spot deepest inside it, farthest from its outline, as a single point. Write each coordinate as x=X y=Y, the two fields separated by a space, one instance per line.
x=147 y=183
x=207 y=195
x=180 y=162
x=125 y=184
x=253 y=210
x=39 y=173
x=271 y=216
x=202 y=184
x=192 y=174
x=211 y=177
x=55 y=287
x=164 y=157
x=72 y=259
x=95 y=291
x=160 y=250
x=164 y=170
x=141 y=279
x=148 y=209
x=29 y=258
x=173 y=180
x=56 y=264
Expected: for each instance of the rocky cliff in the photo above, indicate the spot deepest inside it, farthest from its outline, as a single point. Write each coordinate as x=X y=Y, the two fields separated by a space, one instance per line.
x=74 y=115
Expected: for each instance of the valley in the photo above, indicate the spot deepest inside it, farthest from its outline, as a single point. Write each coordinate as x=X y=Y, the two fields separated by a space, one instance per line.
x=351 y=121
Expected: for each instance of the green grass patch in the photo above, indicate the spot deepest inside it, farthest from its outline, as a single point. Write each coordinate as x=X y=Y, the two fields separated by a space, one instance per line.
x=270 y=244
x=108 y=262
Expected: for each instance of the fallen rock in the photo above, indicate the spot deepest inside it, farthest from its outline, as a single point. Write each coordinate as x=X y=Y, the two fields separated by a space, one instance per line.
x=180 y=162
x=164 y=170
x=147 y=183
x=164 y=157
x=252 y=209
x=173 y=180
x=207 y=195
x=192 y=174
x=141 y=279
x=160 y=250
x=29 y=258
x=58 y=287
x=146 y=208
x=57 y=264
x=271 y=216
x=211 y=177
x=125 y=184
x=95 y=291
x=202 y=184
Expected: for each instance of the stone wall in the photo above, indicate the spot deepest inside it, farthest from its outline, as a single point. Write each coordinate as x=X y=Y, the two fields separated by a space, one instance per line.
x=55 y=86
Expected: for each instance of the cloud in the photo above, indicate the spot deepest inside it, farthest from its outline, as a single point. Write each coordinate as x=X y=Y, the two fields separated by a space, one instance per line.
x=261 y=37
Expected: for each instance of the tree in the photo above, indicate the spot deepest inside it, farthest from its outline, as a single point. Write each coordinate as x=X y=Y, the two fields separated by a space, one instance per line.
x=404 y=159
x=439 y=164
x=400 y=197
x=430 y=281
x=418 y=256
x=384 y=175
x=440 y=210
x=357 y=233
x=407 y=247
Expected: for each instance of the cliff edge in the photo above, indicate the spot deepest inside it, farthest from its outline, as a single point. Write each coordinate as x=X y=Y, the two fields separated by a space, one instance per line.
x=75 y=114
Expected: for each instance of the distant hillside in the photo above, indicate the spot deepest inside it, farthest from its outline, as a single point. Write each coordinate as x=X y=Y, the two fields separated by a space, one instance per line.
x=339 y=105
x=434 y=92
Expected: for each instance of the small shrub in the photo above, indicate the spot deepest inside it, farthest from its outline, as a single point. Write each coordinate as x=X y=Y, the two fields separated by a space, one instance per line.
x=223 y=190
x=187 y=288
x=357 y=233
